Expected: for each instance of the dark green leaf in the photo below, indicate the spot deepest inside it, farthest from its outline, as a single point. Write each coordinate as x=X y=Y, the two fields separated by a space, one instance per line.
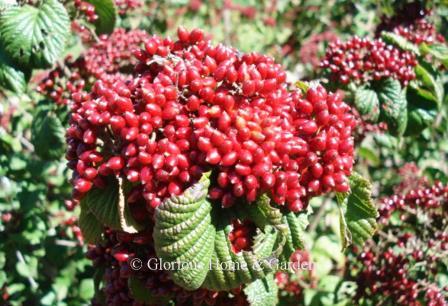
x=35 y=36
x=107 y=15
x=367 y=103
x=109 y=206
x=48 y=135
x=393 y=106
x=422 y=110
x=90 y=226
x=10 y=76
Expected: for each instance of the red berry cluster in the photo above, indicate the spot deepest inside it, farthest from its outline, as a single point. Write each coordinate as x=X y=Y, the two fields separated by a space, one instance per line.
x=242 y=235
x=403 y=263
x=412 y=22
x=292 y=282
x=386 y=271
x=363 y=60
x=125 y=6
x=410 y=179
x=196 y=107
x=426 y=198
x=288 y=285
x=86 y=9
x=58 y=84
x=386 y=274
x=111 y=55
x=422 y=31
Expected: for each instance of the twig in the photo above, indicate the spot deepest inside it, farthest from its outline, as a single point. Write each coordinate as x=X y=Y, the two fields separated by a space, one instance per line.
x=318 y=216
x=27 y=144
x=66 y=243
x=227 y=25
x=29 y=277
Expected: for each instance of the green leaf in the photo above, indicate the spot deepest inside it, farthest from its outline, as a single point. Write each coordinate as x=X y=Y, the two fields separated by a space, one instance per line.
x=107 y=15
x=370 y=155
x=183 y=232
x=90 y=226
x=393 y=106
x=296 y=224
x=262 y=292
x=86 y=289
x=35 y=36
x=11 y=77
x=48 y=135
x=303 y=86
x=109 y=207
x=430 y=79
x=422 y=110
x=367 y=103
x=358 y=212
x=400 y=42
x=190 y=230
x=439 y=51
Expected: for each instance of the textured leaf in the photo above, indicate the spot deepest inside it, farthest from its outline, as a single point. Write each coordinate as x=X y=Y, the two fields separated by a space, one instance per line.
x=358 y=212
x=248 y=266
x=367 y=103
x=48 y=135
x=296 y=224
x=400 y=42
x=10 y=76
x=107 y=15
x=35 y=37
x=189 y=230
x=393 y=106
x=439 y=51
x=90 y=226
x=262 y=292
x=184 y=233
x=108 y=205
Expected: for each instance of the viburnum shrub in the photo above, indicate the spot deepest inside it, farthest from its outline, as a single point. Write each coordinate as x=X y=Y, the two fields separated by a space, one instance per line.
x=195 y=107
x=207 y=144
x=197 y=173
x=362 y=60
x=405 y=261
